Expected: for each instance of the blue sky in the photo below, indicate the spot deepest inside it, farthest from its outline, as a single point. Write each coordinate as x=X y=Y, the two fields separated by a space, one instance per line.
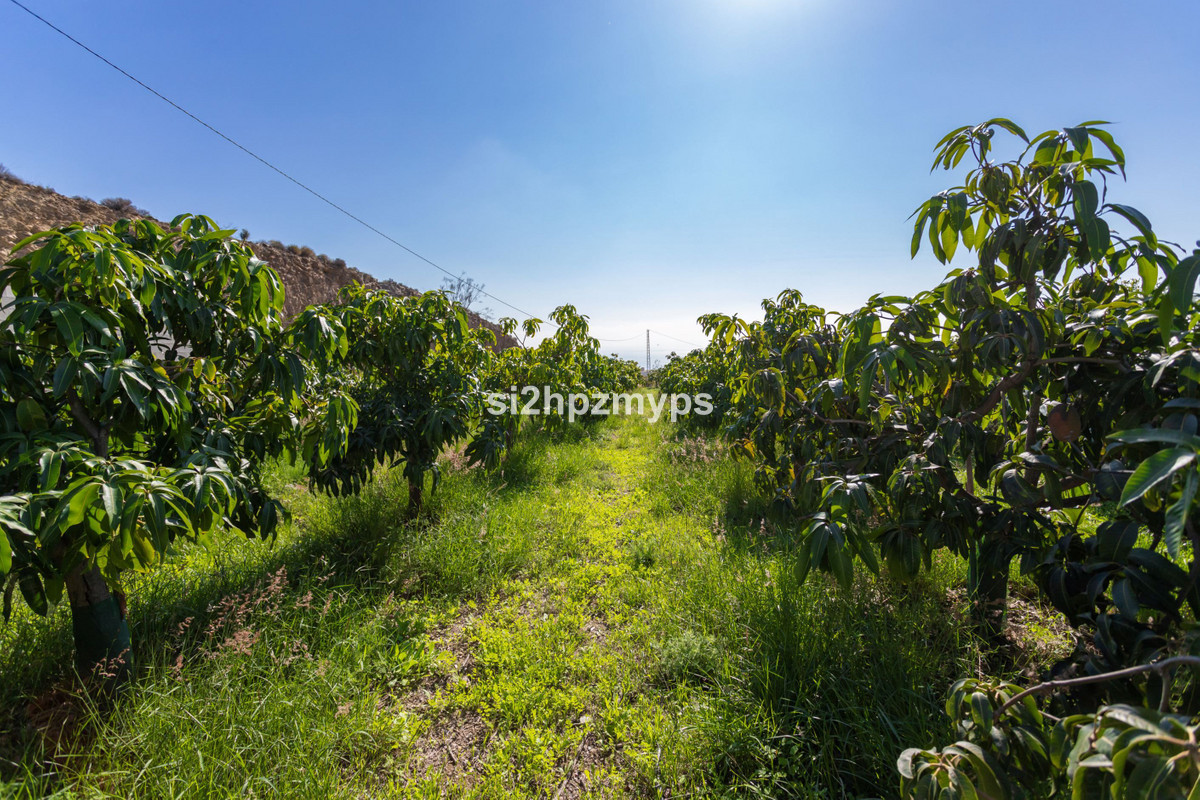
x=647 y=161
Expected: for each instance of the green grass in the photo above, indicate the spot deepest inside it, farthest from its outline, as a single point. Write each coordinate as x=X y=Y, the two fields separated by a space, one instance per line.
x=609 y=616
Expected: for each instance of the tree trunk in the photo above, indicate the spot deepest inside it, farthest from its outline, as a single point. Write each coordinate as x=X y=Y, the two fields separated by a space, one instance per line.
x=1031 y=432
x=102 y=642
x=987 y=584
x=414 y=497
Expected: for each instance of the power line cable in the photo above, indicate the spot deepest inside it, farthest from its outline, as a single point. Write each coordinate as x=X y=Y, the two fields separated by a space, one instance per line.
x=676 y=338
x=255 y=156
x=630 y=339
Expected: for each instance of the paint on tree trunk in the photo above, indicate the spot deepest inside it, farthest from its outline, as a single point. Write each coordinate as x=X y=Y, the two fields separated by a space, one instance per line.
x=102 y=641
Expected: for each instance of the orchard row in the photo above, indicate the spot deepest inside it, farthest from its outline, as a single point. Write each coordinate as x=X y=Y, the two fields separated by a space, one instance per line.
x=147 y=376
x=1056 y=373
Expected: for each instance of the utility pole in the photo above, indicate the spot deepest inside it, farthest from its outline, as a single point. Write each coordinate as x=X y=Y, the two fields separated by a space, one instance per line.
x=647 y=350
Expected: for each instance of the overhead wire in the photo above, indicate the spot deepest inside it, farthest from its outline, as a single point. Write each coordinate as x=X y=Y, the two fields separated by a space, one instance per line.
x=629 y=339
x=259 y=158
x=676 y=338
x=296 y=181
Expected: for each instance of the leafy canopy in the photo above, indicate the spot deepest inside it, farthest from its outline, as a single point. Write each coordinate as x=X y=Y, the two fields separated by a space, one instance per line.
x=144 y=377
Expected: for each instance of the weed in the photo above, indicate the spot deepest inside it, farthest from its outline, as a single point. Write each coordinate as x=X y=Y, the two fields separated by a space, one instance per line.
x=688 y=656
x=642 y=551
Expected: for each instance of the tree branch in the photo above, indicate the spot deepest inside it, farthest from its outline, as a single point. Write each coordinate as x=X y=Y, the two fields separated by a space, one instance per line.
x=1161 y=667
x=1012 y=381
x=997 y=394
x=1112 y=362
x=97 y=433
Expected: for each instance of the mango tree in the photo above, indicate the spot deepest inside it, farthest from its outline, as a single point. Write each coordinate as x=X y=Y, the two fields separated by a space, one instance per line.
x=145 y=375
x=1064 y=374
x=974 y=416
x=1056 y=372
x=610 y=373
x=702 y=371
x=1128 y=728
x=413 y=367
x=786 y=407
x=567 y=361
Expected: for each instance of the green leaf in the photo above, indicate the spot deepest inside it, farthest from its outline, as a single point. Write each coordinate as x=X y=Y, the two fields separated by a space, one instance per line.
x=74 y=505
x=1008 y=125
x=919 y=227
x=1181 y=284
x=1125 y=597
x=111 y=497
x=1094 y=229
x=1157 y=435
x=866 y=552
x=1177 y=514
x=34 y=593
x=1117 y=153
x=839 y=562
x=1134 y=717
x=1099 y=238
x=1079 y=138
x=949 y=239
x=1166 y=320
x=30 y=415
x=1154 y=470
x=1138 y=219
x=803 y=563
x=1149 y=778
x=64 y=376
x=70 y=326
x=989 y=785
x=981 y=711
x=1148 y=272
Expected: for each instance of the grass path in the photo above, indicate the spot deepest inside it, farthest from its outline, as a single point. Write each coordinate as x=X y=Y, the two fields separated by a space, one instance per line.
x=610 y=616
x=541 y=689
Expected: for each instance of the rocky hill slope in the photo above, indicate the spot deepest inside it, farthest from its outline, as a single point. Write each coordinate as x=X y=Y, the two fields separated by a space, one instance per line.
x=308 y=278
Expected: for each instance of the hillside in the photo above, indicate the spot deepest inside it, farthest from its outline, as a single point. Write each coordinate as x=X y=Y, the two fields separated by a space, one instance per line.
x=308 y=278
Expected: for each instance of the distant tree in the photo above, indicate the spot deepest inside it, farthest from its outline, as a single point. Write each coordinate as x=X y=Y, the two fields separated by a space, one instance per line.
x=466 y=292
x=123 y=205
x=7 y=174
x=412 y=366
x=245 y=235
